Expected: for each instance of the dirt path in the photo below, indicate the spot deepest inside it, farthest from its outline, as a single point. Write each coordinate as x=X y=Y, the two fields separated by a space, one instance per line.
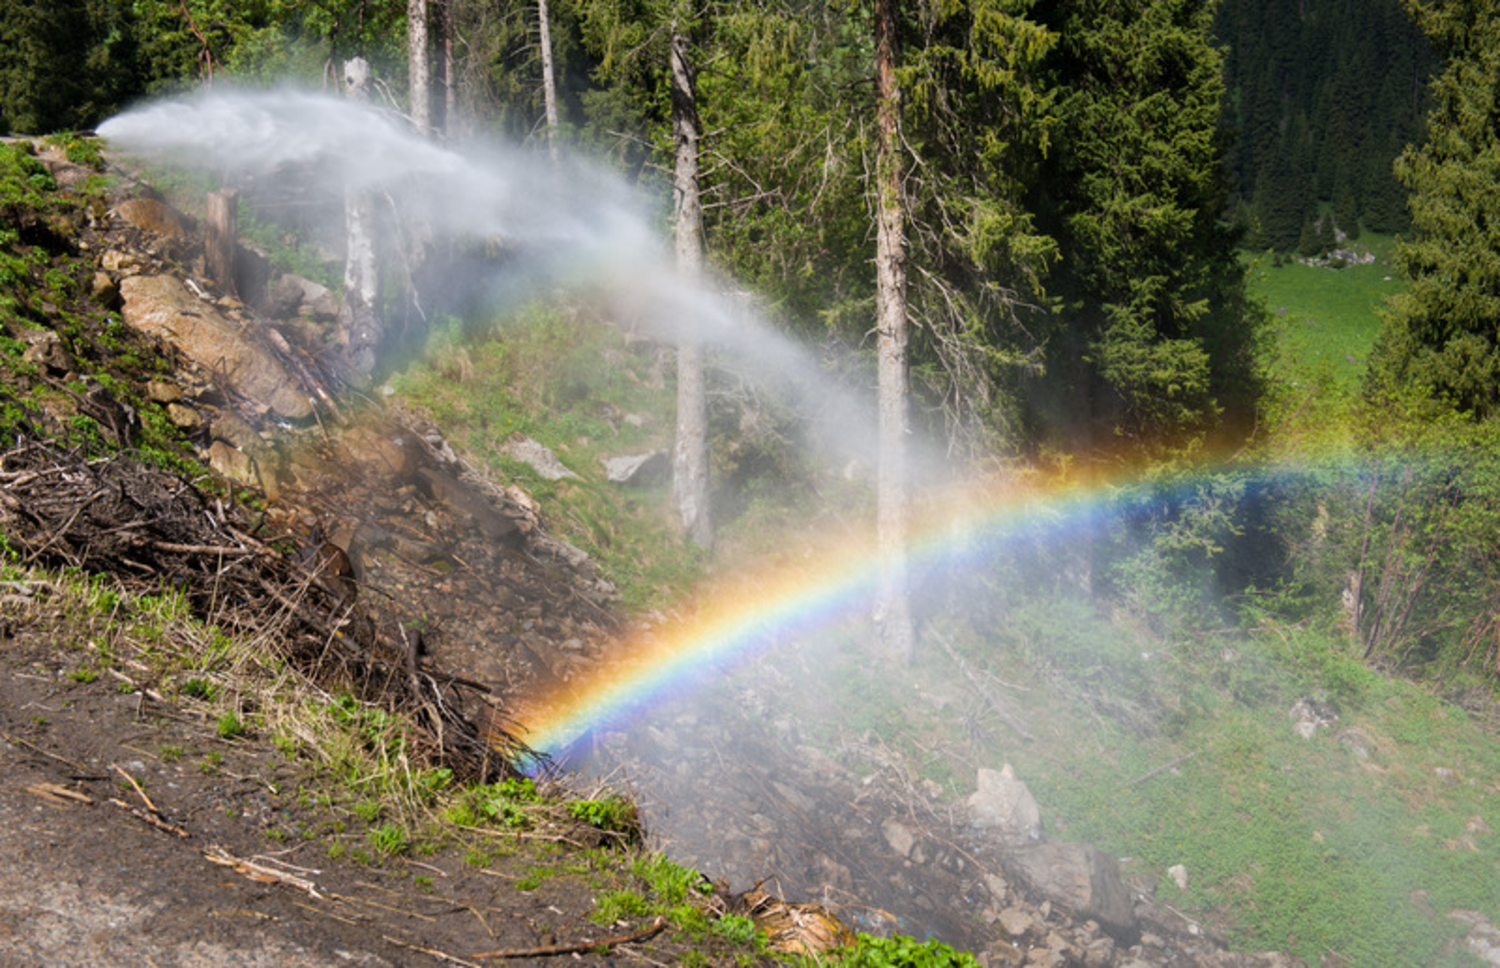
x=121 y=821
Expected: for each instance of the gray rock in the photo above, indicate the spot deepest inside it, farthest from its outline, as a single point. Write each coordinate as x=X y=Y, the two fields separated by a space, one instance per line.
x=1483 y=939
x=538 y=458
x=638 y=470
x=1004 y=804
x=1081 y=878
x=898 y=836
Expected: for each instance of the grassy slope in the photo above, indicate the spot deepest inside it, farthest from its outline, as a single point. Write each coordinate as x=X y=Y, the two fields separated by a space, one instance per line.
x=1295 y=844
x=1328 y=316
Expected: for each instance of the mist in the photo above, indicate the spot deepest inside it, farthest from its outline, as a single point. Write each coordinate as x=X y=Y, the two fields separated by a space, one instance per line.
x=572 y=227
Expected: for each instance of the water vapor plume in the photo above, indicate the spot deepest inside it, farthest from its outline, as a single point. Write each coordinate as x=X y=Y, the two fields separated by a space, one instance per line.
x=572 y=226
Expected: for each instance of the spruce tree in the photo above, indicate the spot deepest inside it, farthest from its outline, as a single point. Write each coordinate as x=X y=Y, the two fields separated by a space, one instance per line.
x=1443 y=332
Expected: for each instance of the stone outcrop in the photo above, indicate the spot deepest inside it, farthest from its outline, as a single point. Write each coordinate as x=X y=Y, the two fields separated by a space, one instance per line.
x=1083 y=879
x=1004 y=805
x=163 y=306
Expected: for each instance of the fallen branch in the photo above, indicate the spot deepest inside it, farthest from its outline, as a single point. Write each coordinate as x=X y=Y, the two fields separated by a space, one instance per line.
x=151 y=818
x=259 y=873
x=1165 y=766
x=577 y=947
x=59 y=794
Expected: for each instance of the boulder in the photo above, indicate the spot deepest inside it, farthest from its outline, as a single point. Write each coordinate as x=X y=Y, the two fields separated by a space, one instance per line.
x=1004 y=804
x=638 y=470
x=1081 y=878
x=162 y=306
x=537 y=457
x=231 y=464
x=153 y=216
x=293 y=294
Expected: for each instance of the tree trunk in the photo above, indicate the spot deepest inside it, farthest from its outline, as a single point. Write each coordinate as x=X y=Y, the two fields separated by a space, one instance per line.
x=419 y=69
x=221 y=239
x=442 y=75
x=892 y=606
x=549 y=85
x=690 y=452
x=359 y=325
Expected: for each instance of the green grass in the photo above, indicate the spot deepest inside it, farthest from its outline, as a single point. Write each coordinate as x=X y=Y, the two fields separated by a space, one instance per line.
x=568 y=382
x=1329 y=316
x=1298 y=844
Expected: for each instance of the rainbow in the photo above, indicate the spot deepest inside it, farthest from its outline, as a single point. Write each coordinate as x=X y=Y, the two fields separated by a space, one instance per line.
x=739 y=618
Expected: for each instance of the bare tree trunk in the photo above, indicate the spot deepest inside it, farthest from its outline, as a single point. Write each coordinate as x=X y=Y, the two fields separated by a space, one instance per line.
x=442 y=75
x=690 y=452
x=893 y=605
x=549 y=84
x=359 y=325
x=221 y=239
x=419 y=67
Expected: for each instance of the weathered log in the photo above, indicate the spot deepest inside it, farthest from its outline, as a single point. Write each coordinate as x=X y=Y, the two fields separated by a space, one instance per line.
x=220 y=239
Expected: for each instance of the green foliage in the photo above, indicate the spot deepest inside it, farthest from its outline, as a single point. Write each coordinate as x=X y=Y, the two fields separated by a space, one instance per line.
x=615 y=906
x=612 y=813
x=670 y=882
x=69 y=63
x=1154 y=329
x=389 y=840
x=903 y=952
x=1321 y=98
x=1441 y=333
x=230 y=726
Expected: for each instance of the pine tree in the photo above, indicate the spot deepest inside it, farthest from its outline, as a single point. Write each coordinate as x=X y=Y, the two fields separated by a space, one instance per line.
x=1152 y=293
x=1443 y=332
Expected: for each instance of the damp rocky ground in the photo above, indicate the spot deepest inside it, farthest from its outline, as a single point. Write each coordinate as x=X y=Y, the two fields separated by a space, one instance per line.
x=179 y=441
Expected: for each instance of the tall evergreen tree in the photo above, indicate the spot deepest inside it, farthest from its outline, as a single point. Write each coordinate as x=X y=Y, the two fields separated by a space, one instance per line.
x=1154 y=337
x=1443 y=332
x=68 y=63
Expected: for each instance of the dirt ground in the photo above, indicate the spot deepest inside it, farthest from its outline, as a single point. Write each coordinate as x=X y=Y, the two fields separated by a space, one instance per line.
x=131 y=834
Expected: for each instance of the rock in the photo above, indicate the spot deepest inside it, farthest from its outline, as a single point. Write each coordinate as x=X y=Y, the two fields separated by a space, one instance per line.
x=232 y=464
x=638 y=470
x=1004 y=803
x=1015 y=922
x=184 y=416
x=105 y=290
x=1357 y=742
x=1081 y=878
x=118 y=261
x=466 y=504
x=898 y=836
x=293 y=294
x=153 y=216
x=163 y=306
x=393 y=453
x=538 y=458
x=1179 y=876
x=1310 y=713
x=46 y=350
x=1483 y=939
x=160 y=391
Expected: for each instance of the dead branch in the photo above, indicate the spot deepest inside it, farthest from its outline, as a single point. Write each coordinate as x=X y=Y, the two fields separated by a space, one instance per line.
x=578 y=947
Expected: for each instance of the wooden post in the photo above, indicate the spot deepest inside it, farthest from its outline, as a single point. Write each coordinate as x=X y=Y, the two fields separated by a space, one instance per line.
x=221 y=239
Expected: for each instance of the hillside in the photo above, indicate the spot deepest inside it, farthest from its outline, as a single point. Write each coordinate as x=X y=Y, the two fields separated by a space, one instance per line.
x=267 y=637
